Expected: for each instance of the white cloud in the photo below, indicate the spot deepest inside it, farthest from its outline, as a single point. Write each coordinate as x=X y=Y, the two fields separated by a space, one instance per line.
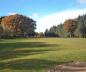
x=81 y=1
x=57 y=18
x=13 y=13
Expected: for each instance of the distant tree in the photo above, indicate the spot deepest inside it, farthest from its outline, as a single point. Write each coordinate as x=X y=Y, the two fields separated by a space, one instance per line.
x=83 y=32
x=53 y=29
x=70 y=26
x=50 y=33
x=82 y=25
x=1 y=18
x=18 y=24
x=60 y=30
x=1 y=29
x=41 y=34
x=46 y=32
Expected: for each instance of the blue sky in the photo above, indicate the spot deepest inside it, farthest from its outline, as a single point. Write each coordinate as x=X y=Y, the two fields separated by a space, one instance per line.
x=46 y=12
x=31 y=6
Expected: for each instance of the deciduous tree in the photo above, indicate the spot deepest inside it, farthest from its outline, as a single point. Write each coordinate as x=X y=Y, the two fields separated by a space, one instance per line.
x=18 y=24
x=70 y=26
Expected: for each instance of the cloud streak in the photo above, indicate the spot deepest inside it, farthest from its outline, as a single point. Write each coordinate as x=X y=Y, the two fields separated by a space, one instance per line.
x=12 y=13
x=81 y=1
x=57 y=18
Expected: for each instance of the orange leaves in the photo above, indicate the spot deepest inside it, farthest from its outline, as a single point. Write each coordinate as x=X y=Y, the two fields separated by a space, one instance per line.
x=18 y=23
x=70 y=25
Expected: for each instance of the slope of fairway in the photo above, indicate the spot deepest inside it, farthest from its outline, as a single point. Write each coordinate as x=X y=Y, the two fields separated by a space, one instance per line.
x=39 y=54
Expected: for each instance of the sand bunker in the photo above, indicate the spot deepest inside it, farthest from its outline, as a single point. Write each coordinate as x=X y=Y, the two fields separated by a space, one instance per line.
x=70 y=67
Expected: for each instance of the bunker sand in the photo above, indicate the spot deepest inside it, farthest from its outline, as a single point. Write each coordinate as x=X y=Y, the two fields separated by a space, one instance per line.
x=70 y=67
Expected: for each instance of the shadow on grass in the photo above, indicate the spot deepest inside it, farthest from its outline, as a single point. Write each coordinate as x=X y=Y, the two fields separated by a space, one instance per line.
x=8 y=46
x=29 y=64
x=18 y=49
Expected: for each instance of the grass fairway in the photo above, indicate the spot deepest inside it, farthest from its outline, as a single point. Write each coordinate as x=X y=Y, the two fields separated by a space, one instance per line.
x=39 y=54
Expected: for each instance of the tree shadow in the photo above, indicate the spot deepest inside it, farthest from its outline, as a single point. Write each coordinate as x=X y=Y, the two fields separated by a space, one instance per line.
x=18 y=49
x=20 y=53
x=14 y=45
x=29 y=64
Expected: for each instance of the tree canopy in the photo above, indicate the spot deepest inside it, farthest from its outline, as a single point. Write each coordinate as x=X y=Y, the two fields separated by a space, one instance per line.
x=18 y=24
x=70 y=26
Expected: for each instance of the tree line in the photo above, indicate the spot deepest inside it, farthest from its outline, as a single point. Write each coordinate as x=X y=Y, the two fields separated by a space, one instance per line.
x=22 y=26
x=70 y=28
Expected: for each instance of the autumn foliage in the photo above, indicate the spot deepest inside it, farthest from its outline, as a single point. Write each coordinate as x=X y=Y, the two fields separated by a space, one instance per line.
x=18 y=24
x=70 y=26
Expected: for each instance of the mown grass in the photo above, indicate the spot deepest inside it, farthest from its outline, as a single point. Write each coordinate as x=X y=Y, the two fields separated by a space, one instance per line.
x=39 y=54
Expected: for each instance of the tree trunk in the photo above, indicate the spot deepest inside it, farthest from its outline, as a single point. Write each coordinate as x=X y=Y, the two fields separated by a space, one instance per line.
x=71 y=34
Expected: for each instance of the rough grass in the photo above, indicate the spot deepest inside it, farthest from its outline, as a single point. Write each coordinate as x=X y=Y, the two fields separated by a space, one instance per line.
x=39 y=54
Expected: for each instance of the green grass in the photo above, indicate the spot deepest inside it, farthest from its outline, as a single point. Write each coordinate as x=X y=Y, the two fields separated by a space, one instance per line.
x=39 y=54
